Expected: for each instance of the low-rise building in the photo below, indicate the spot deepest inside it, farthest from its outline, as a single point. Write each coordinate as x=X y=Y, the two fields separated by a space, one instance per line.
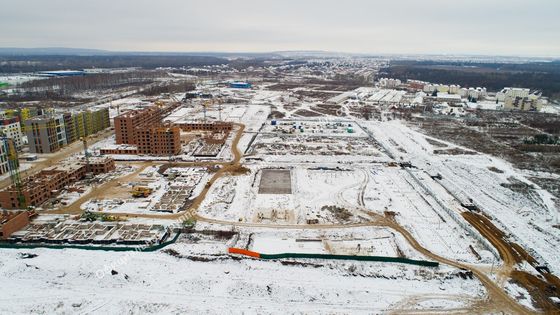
x=532 y=102
x=50 y=181
x=389 y=83
x=512 y=92
x=206 y=126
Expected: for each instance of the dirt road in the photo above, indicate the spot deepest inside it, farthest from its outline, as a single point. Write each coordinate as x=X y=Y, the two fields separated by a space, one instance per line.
x=52 y=159
x=497 y=300
x=226 y=168
x=541 y=290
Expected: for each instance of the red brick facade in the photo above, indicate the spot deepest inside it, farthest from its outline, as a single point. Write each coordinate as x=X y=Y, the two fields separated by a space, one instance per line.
x=159 y=141
x=38 y=188
x=13 y=223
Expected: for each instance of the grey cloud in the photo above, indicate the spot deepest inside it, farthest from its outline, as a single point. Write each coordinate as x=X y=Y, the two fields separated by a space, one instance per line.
x=405 y=26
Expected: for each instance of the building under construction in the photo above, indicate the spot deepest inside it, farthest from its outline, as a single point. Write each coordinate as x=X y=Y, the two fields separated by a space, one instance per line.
x=11 y=222
x=144 y=129
x=48 y=183
x=48 y=133
x=164 y=140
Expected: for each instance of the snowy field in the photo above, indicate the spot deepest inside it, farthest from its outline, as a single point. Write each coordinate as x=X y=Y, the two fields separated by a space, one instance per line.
x=526 y=217
x=148 y=283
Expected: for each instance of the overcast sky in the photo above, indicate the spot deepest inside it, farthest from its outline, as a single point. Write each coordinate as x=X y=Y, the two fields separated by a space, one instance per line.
x=497 y=27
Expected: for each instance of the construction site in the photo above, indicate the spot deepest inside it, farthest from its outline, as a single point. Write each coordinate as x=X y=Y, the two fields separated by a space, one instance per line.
x=297 y=192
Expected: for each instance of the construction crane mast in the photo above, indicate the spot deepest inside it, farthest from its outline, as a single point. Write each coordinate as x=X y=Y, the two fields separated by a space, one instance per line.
x=86 y=154
x=13 y=168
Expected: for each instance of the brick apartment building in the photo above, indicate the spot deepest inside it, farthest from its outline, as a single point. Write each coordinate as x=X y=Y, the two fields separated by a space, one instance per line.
x=50 y=181
x=127 y=124
x=144 y=129
x=159 y=140
x=211 y=126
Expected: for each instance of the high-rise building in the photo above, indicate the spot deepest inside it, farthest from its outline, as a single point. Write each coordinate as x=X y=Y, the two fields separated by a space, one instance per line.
x=4 y=166
x=11 y=128
x=127 y=124
x=42 y=134
x=159 y=140
x=86 y=123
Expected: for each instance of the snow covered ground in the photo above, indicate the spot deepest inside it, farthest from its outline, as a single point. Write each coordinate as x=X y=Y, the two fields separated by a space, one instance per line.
x=157 y=282
x=526 y=217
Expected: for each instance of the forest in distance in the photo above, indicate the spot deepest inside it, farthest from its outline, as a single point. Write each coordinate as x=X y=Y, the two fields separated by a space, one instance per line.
x=543 y=76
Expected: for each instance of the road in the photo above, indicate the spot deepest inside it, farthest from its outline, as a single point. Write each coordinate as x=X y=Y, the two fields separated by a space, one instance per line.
x=226 y=168
x=53 y=158
x=497 y=299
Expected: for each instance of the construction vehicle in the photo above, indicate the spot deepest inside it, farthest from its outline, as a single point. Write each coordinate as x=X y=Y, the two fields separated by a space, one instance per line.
x=141 y=191
x=159 y=103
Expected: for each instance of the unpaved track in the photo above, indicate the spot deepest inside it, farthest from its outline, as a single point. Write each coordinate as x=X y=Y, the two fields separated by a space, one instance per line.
x=495 y=237
x=98 y=191
x=226 y=167
x=54 y=158
x=497 y=300
x=541 y=290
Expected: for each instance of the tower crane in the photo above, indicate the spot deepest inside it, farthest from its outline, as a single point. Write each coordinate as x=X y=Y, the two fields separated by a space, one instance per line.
x=86 y=154
x=13 y=167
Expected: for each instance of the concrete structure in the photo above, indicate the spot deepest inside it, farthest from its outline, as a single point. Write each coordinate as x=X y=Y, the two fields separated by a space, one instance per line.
x=48 y=133
x=4 y=164
x=50 y=181
x=42 y=134
x=532 y=102
x=86 y=123
x=58 y=231
x=11 y=128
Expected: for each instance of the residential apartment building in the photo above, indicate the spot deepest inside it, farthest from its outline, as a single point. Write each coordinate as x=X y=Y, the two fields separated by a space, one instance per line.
x=528 y=103
x=127 y=124
x=11 y=128
x=512 y=93
x=86 y=123
x=4 y=162
x=159 y=140
x=48 y=133
x=43 y=134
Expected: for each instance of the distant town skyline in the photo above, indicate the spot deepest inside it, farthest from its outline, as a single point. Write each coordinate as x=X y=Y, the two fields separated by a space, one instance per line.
x=499 y=27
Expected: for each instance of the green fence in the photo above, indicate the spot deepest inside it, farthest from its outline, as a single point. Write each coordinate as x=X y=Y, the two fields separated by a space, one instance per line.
x=137 y=248
x=350 y=257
